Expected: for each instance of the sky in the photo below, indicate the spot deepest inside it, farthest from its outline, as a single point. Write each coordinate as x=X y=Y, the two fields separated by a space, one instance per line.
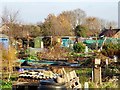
x=33 y=11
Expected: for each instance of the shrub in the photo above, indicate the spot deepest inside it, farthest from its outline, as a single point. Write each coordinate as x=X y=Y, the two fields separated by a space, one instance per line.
x=110 y=49
x=79 y=47
x=84 y=74
x=31 y=57
x=5 y=85
x=8 y=60
x=108 y=85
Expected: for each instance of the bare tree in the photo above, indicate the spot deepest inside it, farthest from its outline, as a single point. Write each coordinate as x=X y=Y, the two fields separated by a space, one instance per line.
x=112 y=24
x=4 y=16
x=93 y=24
x=79 y=16
x=108 y=24
x=9 y=16
x=75 y=17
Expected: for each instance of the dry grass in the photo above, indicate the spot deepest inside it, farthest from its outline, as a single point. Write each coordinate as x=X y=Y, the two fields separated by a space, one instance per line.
x=55 y=53
x=8 y=58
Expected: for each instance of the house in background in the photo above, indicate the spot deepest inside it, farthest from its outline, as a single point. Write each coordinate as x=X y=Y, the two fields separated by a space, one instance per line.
x=112 y=33
x=4 y=28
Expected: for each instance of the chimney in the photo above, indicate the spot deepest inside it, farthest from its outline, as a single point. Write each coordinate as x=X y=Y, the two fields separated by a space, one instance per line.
x=110 y=27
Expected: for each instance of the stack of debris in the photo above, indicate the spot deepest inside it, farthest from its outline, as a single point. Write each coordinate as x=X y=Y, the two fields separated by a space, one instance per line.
x=37 y=74
x=70 y=79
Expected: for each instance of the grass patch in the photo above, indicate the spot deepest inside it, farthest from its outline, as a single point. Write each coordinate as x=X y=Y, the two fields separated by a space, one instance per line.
x=84 y=74
x=5 y=85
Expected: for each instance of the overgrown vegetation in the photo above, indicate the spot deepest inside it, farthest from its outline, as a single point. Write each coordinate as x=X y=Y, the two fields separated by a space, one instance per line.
x=63 y=24
x=79 y=47
x=84 y=74
x=5 y=85
x=31 y=57
x=55 y=53
x=8 y=59
x=8 y=63
x=104 y=85
x=111 y=49
x=81 y=31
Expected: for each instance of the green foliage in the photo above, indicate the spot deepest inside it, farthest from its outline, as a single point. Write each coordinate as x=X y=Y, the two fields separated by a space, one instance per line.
x=77 y=55
x=86 y=71
x=109 y=85
x=87 y=62
x=5 y=84
x=84 y=74
x=104 y=85
x=74 y=54
x=79 y=47
x=35 y=31
x=110 y=49
x=92 y=85
x=81 y=31
x=31 y=57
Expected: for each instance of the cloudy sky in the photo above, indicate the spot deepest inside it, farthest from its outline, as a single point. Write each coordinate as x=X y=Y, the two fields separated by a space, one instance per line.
x=32 y=11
